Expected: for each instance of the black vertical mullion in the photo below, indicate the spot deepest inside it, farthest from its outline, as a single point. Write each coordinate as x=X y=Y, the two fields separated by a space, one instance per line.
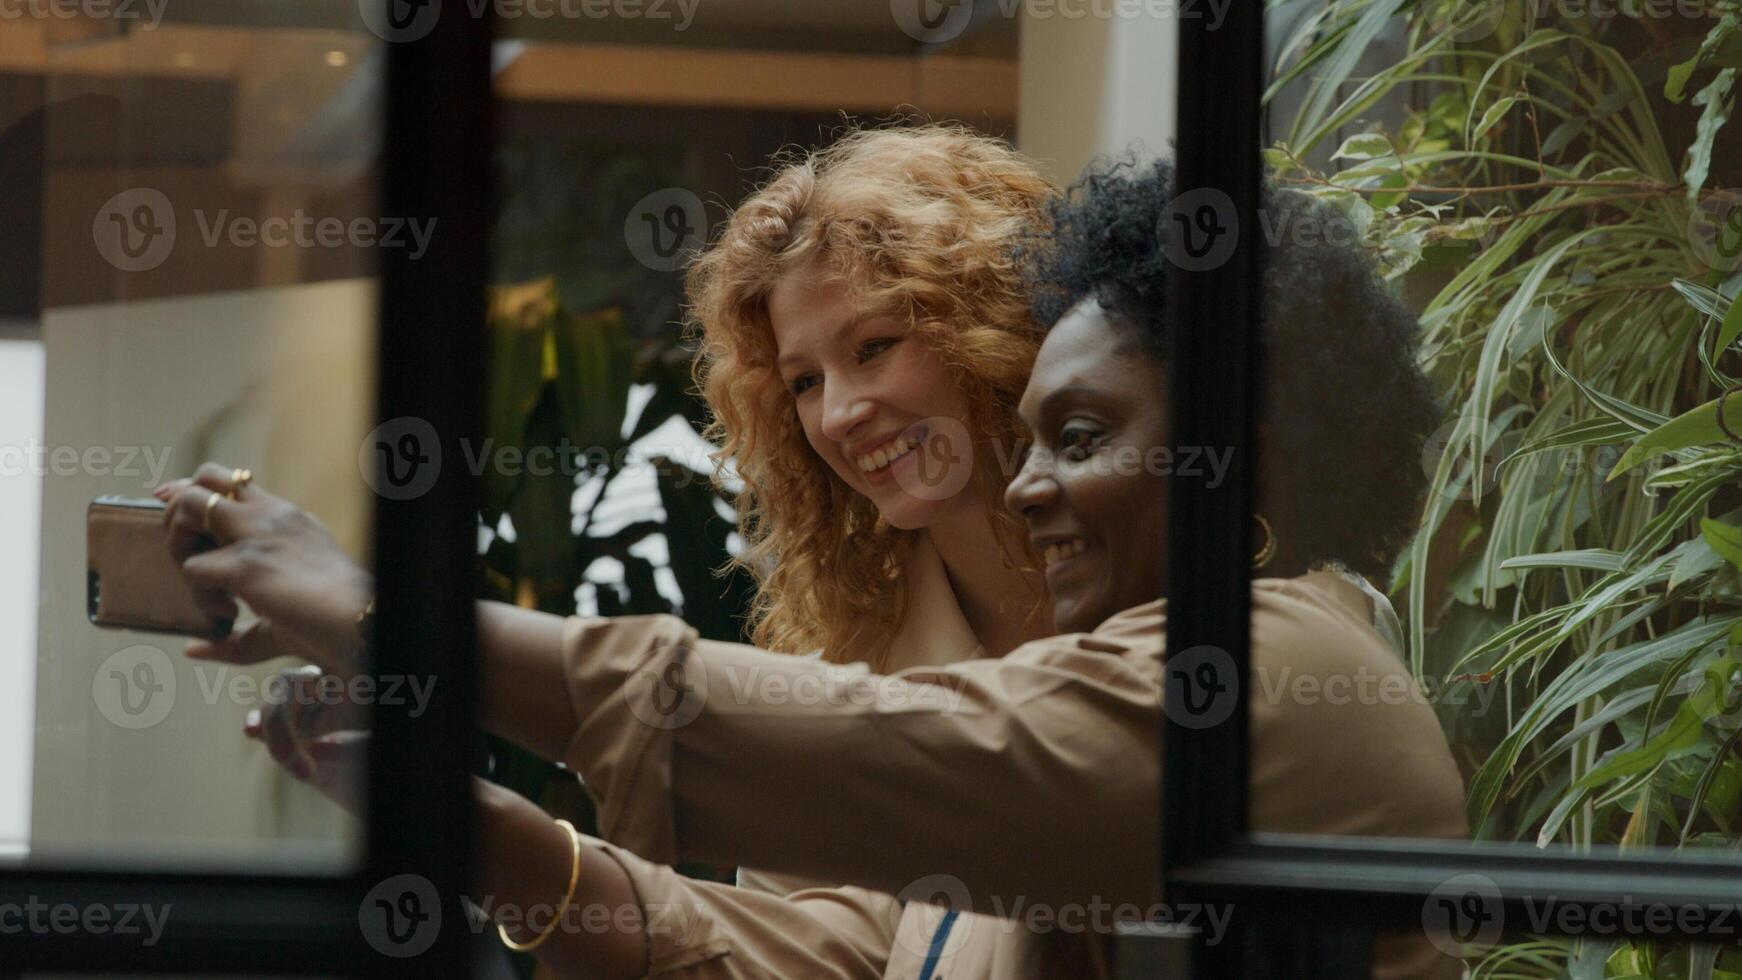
x=1213 y=379
x=1214 y=304
x=435 y=167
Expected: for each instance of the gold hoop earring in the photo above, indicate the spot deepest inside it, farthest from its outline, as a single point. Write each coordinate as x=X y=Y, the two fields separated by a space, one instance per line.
x=1268 y=551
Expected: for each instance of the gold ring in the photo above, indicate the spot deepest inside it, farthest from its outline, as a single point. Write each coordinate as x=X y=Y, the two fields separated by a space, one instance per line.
x=239 y=478
x=211 y=505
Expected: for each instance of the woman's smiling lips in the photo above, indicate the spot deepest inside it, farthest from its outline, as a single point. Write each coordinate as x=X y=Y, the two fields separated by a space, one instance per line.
x=878 y=461
x=1062 y=557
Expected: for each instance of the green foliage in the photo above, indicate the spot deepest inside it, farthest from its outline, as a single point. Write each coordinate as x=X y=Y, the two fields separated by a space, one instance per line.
x=560 y=384
x=1581 y=330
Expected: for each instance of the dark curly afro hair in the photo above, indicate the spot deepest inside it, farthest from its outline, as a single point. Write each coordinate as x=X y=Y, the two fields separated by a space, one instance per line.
x=1346 y=405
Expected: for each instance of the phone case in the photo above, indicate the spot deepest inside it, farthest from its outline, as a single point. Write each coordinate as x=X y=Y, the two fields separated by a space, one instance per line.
x=131 y=580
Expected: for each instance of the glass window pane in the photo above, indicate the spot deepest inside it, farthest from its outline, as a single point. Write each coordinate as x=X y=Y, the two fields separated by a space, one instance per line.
x=1506 y=416
x=196 y=206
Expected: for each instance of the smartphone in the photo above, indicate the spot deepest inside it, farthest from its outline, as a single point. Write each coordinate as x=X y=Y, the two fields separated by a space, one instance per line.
x=131 y=580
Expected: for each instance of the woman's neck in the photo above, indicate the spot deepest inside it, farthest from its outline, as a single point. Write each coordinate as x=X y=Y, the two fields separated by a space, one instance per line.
x=997 y=601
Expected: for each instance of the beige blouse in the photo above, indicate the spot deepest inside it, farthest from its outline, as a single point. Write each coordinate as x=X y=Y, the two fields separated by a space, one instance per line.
x=1024 y=788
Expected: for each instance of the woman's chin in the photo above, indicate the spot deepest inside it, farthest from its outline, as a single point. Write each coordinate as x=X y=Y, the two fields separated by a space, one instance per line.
x=905 y=520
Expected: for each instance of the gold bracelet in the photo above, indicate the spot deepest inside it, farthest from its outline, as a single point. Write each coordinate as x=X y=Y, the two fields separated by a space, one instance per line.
x=574 y=876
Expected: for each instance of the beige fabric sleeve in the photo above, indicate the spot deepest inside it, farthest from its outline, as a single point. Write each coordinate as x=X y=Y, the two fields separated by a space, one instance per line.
x=704 y=929
x=975 y=770
x=865 y=918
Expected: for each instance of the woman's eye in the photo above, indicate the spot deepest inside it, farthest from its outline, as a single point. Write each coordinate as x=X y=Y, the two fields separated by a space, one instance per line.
x=1075 y=443
x=871 y=348
x=803 y=383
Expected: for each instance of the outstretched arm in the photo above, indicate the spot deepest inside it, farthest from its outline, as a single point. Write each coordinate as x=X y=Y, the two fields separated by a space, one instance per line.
x=308 y=593
x=626 y=917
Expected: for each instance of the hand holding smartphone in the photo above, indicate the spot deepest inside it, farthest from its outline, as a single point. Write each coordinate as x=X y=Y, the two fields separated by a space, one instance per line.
x=131 y=580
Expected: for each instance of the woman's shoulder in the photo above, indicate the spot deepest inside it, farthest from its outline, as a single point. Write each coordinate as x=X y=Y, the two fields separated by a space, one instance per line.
x=1332 y=698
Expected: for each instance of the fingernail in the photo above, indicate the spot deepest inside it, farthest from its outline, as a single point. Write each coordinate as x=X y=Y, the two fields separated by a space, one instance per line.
x=253 y=719
x=197 y=650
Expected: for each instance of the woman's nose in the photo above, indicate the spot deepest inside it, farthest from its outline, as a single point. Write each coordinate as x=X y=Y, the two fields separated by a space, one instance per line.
x=845 y=408
x=1033 y=487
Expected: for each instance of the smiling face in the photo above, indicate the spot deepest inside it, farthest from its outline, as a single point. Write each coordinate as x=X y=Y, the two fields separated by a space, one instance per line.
x=1089 y=490
x=877 y=405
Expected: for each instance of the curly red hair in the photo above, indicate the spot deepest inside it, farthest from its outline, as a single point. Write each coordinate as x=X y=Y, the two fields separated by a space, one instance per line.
x=920 y=222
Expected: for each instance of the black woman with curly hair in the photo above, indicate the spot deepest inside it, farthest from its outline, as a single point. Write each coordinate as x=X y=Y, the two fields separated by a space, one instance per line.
x=1015 y=796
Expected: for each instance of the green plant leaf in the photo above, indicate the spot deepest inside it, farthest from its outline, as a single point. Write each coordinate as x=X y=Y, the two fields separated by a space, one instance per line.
x=1696 y=427
x=1601 y=559
x=1715 y=97
x=1680 y=733
x=1495 y=113
x=1725 y=539
x=519 y=317
x=1363 y=146
x=1729 y=329
x=592 y=359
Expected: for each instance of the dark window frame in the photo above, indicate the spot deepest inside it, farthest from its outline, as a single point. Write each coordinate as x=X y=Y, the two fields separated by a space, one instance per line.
x=1293 y=893
x=435 y=164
